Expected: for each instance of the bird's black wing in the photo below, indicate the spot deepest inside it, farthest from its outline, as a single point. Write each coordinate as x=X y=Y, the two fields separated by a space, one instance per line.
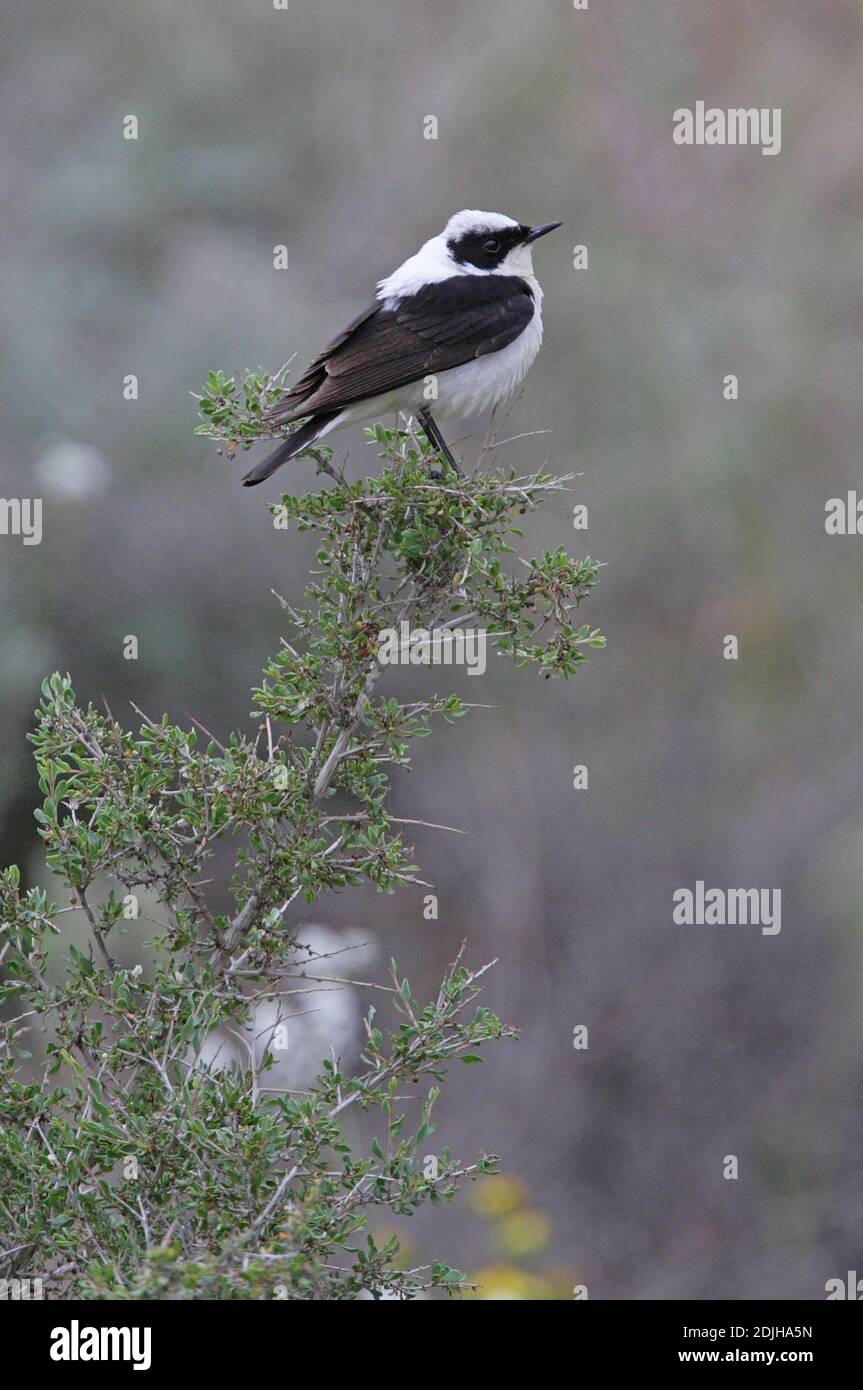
x=316 y=374
x=443 y=325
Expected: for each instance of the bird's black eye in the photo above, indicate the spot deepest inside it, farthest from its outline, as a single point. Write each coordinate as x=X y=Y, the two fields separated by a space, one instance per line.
x=491 y=244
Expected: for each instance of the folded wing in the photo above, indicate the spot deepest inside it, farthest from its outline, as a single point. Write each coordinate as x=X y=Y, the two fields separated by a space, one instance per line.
x=445 y=324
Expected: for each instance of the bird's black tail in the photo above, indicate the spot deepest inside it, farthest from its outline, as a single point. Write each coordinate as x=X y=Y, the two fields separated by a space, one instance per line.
x=300 y=439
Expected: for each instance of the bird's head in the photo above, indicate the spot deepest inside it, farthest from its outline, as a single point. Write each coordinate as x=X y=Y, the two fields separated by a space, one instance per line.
x=490 y=243
x=471 y=243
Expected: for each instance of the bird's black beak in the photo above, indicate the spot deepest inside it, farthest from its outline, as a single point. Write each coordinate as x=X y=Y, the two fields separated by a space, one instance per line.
x=536 y=232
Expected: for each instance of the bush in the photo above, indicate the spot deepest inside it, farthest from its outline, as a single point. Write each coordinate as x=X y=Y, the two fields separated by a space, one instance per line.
x=128 y=1168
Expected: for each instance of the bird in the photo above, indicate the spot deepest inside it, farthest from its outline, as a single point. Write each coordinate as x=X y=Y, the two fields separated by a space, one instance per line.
x=457 y=325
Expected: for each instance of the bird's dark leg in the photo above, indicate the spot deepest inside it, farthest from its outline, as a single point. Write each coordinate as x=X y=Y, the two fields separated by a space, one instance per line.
x=437 y=441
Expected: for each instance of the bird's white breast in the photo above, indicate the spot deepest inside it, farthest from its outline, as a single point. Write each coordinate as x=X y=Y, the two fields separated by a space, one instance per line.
x=488 y=381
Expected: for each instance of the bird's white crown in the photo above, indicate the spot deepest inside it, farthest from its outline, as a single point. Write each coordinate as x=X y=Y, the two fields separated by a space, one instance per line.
x=472 y=220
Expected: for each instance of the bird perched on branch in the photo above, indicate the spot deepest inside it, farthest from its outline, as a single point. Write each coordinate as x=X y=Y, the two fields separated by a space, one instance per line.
x=456 y=328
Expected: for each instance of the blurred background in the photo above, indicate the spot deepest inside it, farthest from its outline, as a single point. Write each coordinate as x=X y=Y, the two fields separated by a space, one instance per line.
x=260 y=127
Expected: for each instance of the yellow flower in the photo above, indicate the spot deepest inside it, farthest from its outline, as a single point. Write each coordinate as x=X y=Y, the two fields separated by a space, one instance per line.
x=507 y=1283
x=524 y=1233
x=497 y=1196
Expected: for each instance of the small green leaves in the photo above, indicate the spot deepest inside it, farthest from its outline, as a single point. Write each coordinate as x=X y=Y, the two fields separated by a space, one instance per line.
x=130 y=1168
x=233 y=411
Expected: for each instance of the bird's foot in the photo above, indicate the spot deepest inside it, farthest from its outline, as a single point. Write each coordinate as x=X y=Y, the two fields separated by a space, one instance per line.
x=450 y=465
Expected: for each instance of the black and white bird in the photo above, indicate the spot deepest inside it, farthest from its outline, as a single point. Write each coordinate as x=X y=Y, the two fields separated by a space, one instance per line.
x=456 y=327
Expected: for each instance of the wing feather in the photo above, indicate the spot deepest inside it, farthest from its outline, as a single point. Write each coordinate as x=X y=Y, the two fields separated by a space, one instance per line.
x=444 y=325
